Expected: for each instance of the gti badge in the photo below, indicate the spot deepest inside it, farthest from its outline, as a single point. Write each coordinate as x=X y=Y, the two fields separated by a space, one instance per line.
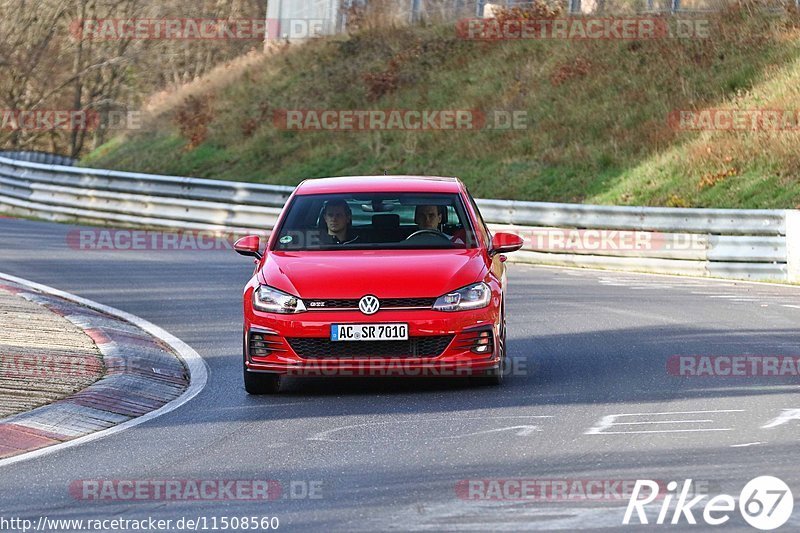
x=369 y=305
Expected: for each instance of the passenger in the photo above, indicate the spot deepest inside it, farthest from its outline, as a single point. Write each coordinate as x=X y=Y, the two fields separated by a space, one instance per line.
x=339 y=221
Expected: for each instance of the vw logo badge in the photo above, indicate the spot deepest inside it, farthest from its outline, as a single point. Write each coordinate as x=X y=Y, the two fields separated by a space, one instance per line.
x=369 y=305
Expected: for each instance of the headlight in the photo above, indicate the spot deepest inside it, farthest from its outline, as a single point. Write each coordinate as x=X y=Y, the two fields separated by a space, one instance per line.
x=472 y=296
x=274 y=301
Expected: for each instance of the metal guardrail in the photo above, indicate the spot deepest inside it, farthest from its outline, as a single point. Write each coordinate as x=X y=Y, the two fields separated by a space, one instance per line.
x=32 y=156
x=684 y=220
x=731 y=243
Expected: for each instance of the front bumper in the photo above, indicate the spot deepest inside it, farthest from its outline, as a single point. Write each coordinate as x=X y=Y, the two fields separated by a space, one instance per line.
x=271 y=352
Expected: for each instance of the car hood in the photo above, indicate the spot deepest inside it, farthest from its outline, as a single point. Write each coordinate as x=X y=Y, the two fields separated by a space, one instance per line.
x=386 y=274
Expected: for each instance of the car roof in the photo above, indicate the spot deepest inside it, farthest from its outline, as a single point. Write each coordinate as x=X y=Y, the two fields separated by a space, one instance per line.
x=361 y=184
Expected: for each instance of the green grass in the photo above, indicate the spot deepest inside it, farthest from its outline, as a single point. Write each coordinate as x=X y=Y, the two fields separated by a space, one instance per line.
x=597 y=128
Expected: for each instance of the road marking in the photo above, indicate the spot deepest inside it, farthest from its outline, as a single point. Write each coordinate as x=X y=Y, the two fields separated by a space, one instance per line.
x=666 y=422
x=785 y=416
x=745 y=445
x=706 y=293
x=195 y=365
x=659 y=431
x=610 y=421
x=525 y=430
x=792 y=306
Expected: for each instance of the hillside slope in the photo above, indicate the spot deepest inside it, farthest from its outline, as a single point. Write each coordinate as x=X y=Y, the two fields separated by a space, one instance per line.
x=598 y=115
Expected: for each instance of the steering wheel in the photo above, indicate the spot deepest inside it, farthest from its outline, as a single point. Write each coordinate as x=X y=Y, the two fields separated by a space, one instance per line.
x=434 y=232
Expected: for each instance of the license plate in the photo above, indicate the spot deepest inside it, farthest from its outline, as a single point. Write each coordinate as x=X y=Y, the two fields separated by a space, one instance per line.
x=369 y=332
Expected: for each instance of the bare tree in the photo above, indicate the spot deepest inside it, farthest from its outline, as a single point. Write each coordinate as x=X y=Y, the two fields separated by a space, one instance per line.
x=46 y=62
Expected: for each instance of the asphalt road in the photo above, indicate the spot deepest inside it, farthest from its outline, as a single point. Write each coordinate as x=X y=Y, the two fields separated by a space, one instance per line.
x=388 y=455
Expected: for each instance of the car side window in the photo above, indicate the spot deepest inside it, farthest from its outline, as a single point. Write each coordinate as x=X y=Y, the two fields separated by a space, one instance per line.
x=482 y=228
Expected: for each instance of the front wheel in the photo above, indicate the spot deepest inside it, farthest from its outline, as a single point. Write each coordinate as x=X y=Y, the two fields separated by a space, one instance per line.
x=255 y=383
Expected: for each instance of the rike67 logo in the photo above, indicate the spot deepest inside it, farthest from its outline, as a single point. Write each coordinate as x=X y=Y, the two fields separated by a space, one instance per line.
x=765 y=503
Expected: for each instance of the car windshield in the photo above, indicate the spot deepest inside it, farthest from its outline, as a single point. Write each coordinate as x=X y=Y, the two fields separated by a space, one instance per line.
x=375 y=221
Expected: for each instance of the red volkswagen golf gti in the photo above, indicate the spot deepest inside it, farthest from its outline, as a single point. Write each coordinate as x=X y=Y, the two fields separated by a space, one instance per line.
x=376 y=276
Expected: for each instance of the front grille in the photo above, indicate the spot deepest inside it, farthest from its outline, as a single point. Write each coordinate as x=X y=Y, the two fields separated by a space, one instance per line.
x=321 y=348
x=408 y=302
x=387 y=303
x=332 y=304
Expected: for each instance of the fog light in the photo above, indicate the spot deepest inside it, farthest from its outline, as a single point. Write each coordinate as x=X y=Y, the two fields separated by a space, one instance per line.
x=483 y=343
x=263 y=345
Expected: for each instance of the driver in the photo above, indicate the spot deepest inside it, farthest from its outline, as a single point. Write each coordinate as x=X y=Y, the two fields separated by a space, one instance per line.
x=428 y=217
x=338 y=221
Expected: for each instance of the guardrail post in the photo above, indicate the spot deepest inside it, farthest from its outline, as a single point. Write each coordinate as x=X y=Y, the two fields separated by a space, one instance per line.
x=793 y=244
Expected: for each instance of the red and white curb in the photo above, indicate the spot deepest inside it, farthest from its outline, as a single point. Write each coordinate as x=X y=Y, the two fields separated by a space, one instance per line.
x=144 y=379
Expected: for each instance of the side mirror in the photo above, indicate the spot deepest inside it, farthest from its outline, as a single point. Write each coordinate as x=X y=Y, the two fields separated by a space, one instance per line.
x=249 y=246
x=506 y=242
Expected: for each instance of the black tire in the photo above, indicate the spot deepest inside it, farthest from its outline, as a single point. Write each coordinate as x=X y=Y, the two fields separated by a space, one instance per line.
x=494 y=378
x=255 y=383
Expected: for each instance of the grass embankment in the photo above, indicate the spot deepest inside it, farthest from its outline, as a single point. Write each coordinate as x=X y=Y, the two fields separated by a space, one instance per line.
x=597 y=115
